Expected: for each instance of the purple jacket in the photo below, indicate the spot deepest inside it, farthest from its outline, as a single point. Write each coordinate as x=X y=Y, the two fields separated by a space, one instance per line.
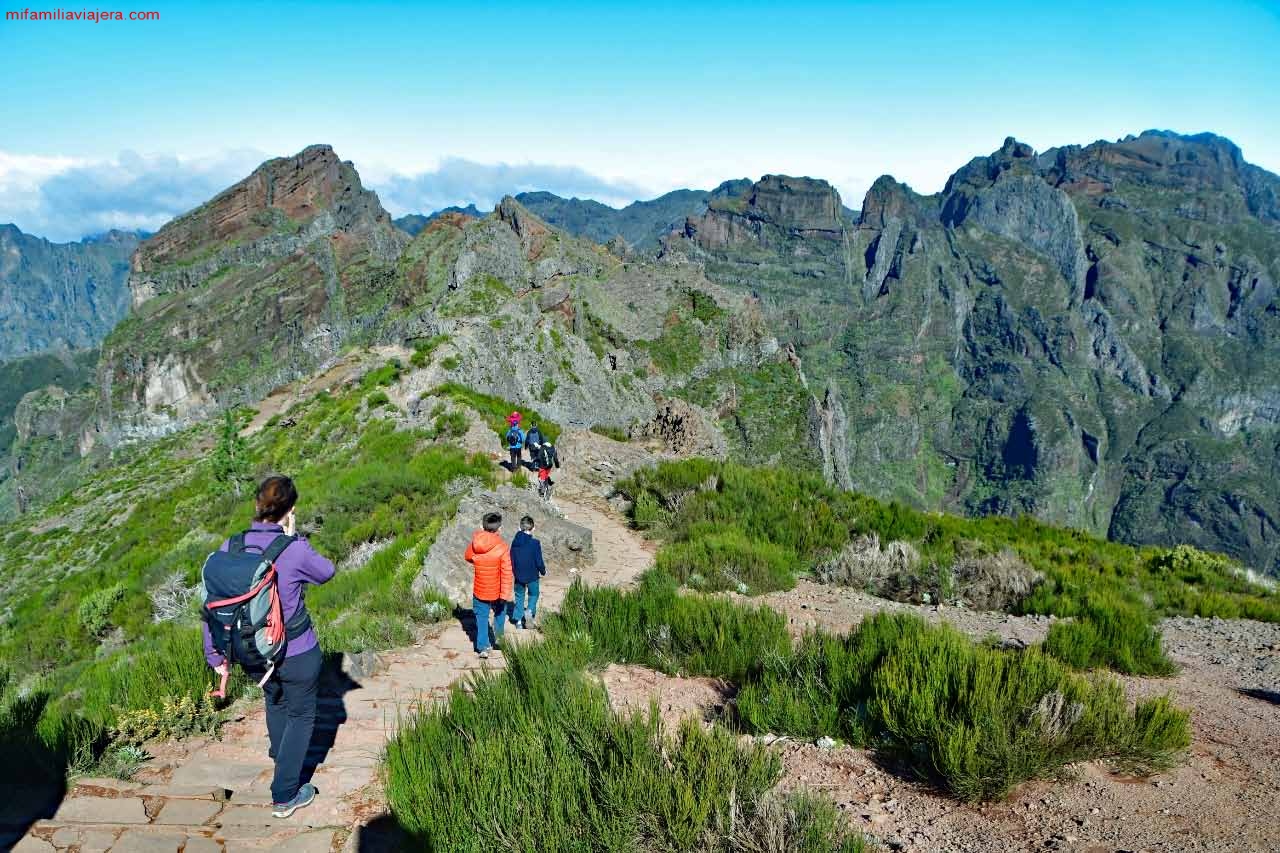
x=298 y=565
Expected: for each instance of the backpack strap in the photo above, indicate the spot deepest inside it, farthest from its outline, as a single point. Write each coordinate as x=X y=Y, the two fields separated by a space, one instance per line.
x=277 y=546
x=236 y=544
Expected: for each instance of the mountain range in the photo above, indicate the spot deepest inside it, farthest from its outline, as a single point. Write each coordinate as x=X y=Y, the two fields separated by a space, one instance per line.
x=1086 y=334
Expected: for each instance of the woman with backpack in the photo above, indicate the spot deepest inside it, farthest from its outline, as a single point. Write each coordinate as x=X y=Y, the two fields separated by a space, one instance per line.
x=255 y=585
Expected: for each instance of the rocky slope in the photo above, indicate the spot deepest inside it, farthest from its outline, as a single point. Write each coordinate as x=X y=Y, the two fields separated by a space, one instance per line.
x=277 y=276
x=61 y=296
x=1088 y=334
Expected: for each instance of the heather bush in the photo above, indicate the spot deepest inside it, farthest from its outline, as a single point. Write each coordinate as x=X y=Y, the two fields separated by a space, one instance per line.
x=537 y=756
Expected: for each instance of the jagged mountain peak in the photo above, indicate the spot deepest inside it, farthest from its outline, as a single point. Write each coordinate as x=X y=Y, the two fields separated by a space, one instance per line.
x=889 y=199
x=283 y=193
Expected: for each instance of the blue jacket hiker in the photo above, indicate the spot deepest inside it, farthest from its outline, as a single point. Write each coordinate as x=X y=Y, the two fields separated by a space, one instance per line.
x=528 y=567
x=515 y=439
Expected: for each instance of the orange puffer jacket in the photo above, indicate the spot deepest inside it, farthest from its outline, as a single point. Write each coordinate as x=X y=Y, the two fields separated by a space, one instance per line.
x=492 y=560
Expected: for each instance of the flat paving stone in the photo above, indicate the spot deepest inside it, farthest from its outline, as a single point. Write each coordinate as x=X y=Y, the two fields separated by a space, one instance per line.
x=97 y=840
x=141 y=841
x=65 y=837
x=101 y=810
x=201 y=844
x=315 y=841
x=217 y=773
x=31 y=844
x=187 y=812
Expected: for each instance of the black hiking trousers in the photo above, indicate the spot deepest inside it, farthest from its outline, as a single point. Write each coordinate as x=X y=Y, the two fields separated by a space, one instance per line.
x=291 y=717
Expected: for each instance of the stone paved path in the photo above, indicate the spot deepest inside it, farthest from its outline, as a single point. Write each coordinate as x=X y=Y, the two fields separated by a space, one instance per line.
x=214 y=796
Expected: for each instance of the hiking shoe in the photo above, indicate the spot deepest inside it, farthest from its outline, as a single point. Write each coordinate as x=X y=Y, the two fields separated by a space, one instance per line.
x=484 y=654
x=305 y=795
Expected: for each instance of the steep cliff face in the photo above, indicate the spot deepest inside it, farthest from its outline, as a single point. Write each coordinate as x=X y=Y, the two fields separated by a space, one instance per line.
x=61 y=296
x=1079 y=334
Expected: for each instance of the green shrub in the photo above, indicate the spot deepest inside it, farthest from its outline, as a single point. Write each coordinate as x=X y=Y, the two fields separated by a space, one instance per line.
x=537 y=755
x=388 y=374
x=423 y=349
x=729 y=560
x=452 y=424
x=95 y=610
x=679 y=349
x=450 y=362
x=1110 y=634
x=230 y=460
x=520 y=479
x=494 y=410
x=548 y=389
x=613 y=432
x=377 y=399
x=975 y=719
x=654 y=626
x=704 y=307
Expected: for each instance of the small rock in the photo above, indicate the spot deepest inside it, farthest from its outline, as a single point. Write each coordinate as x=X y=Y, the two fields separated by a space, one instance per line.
x=825 y=742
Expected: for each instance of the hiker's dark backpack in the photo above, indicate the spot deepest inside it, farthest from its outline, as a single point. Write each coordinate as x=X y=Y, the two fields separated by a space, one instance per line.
x=547 y=456
x=242 y=605
x=514 y=438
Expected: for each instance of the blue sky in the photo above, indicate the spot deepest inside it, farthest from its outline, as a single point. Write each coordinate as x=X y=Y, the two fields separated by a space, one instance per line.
x=128 y=124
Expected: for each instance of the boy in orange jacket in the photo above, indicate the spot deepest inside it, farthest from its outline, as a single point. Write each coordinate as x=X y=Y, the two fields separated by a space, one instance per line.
x=494 y=583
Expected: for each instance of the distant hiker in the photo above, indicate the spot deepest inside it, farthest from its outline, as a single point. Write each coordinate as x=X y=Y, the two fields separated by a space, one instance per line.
x=527 y=567
x=256 y=616
x=515 y=439
x=544 y=459
x=532 y=439
x=492 y=588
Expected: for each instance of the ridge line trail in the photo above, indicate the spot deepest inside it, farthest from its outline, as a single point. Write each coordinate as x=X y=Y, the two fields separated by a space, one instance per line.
x=179 y=801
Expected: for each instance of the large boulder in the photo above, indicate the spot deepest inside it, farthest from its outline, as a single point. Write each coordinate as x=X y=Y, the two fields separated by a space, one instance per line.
x=565 y=545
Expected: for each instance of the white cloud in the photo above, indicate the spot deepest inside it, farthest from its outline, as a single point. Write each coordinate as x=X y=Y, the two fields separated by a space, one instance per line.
x=62 y=198
x=457 y=181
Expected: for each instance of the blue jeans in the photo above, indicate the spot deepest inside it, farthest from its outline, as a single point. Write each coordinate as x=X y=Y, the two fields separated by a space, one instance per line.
x=518 y=612
x=481 y=610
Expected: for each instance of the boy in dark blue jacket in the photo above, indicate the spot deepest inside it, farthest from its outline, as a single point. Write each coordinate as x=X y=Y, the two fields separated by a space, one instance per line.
x=527 y=566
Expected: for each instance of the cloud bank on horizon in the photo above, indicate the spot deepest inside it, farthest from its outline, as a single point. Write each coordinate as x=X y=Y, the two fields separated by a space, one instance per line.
x=64 y=199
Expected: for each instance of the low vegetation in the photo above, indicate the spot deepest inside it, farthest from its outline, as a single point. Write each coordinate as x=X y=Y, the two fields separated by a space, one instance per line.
x=98 y=629
x=611 y=432
x=975 y=719
x=536 y=756
x=494 y=410
x=731 y=527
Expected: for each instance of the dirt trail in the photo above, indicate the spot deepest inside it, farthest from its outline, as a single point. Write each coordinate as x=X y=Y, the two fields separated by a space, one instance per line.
x=197 y=796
